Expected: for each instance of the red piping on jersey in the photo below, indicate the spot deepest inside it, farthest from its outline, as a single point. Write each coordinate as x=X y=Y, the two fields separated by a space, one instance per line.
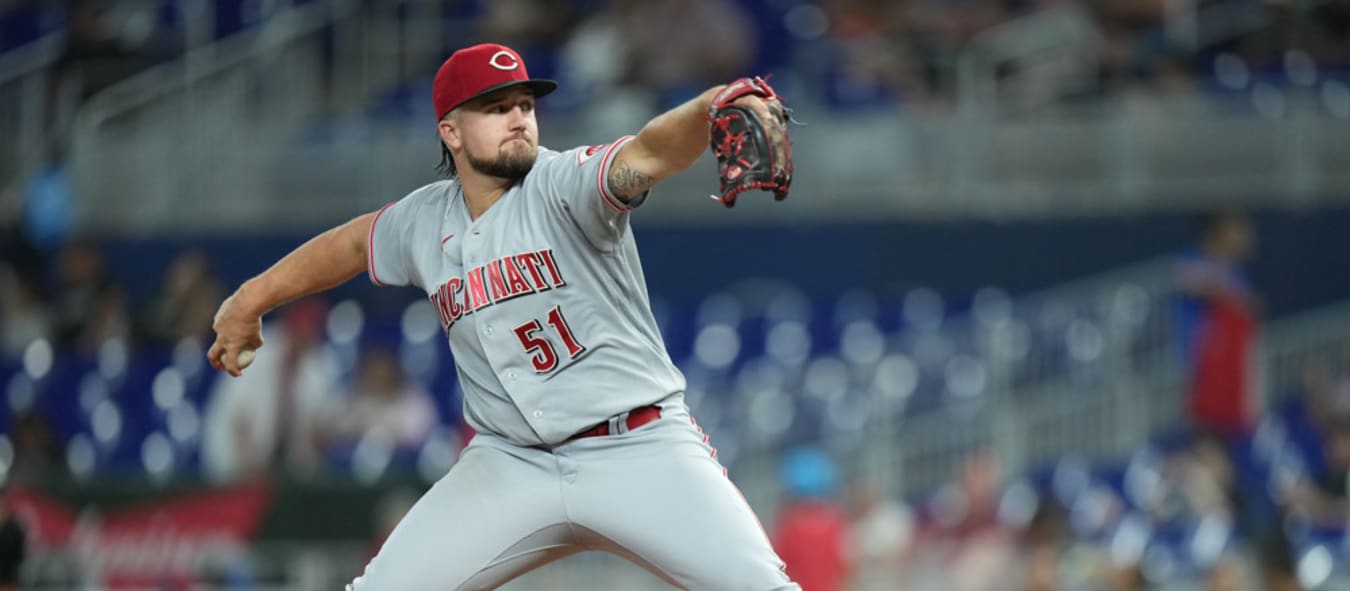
x=446 y=239
x=604 y=168
x=713 y=451
x=370 y=246
x=739 y=494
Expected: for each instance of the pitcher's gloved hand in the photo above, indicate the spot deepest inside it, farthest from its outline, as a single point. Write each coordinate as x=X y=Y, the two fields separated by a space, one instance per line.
x=749 y=137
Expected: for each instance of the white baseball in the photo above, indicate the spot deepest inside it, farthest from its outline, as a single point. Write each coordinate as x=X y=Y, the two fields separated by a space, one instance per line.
x=245 y=358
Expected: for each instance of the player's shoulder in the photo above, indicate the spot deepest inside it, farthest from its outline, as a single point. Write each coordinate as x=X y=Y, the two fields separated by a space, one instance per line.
x=436 y=189
x=438 y=193
x=579 y=155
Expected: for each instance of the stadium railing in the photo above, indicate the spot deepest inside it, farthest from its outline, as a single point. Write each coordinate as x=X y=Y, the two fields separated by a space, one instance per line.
x=26 y=109
x=263 y=153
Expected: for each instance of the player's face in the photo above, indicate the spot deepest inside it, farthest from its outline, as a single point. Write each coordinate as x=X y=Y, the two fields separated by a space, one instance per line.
x=500 y=135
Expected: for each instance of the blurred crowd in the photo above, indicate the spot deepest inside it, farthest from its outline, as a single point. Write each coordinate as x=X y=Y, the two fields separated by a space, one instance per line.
x=849 y=54
x=70 y=300
x=1188 y=511
x=865 y=54
x=67 y=321
x=1237 y=496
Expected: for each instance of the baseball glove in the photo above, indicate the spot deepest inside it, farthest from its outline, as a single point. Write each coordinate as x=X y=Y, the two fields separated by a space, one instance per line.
x=752 y=153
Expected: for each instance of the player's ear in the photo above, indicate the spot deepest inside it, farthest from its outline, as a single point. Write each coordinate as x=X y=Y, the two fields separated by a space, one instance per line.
x=450 y=131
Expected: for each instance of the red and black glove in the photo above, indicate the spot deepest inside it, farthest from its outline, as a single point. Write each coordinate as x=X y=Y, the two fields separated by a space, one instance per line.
x=752 y=148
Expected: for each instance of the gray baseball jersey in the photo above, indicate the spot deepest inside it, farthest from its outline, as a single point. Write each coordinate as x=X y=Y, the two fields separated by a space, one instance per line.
x=542 y=298
x=545 y=306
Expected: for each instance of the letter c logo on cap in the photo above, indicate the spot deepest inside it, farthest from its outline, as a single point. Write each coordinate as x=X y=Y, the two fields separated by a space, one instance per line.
x=504 y=60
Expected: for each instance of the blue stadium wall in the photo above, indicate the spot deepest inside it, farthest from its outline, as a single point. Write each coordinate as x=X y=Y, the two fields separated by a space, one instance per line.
x=1301 y=259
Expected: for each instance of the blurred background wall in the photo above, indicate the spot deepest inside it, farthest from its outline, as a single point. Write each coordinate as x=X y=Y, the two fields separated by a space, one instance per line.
x=1058 y=300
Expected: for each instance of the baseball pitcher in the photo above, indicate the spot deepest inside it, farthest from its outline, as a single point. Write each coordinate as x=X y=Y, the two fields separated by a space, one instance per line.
x=583 y=438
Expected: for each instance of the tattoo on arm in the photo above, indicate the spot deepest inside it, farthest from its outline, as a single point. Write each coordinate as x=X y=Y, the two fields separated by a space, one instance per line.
x=626 y=183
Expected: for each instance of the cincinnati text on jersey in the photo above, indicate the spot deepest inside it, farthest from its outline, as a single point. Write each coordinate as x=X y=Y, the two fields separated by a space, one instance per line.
x=495 y=282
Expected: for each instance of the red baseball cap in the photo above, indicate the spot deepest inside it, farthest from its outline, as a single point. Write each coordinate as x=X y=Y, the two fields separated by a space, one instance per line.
x=475 y=71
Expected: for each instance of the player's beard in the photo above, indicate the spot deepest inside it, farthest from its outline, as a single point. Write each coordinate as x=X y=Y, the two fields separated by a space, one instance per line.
x=507 y=165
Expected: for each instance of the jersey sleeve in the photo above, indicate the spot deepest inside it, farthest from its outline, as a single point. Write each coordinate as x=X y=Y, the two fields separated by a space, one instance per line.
x=580 y=179
x=388 y=254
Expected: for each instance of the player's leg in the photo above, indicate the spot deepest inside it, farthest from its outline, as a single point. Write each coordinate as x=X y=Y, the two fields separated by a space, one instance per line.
x=494 y=516
x=661 y=499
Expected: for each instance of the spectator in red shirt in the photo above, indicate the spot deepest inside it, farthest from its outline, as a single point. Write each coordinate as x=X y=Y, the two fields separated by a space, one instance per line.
x=1218 y=326
x=812 y=534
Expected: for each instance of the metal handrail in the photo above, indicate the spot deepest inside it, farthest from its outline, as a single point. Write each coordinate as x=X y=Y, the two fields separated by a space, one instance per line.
x=23 y=72
x=1017 y=39
x=198 y=63
x=35 y=55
